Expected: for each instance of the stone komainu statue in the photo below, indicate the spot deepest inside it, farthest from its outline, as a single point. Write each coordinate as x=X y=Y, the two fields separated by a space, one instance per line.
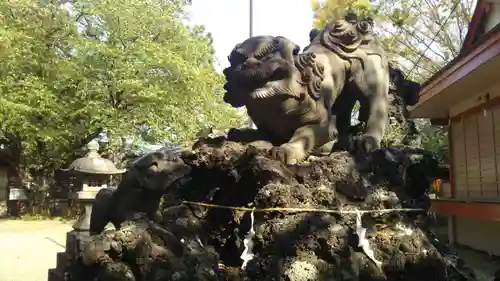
x=302 y=101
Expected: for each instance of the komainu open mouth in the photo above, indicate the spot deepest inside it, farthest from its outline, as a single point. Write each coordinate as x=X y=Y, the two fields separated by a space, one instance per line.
x=272 y=90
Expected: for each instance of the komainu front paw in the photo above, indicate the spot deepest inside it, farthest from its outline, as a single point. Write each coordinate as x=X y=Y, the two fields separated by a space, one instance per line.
x=289 y=153
x=365 y=143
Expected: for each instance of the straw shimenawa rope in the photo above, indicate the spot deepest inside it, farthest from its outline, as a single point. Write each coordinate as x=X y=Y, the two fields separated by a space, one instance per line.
x=294 y=210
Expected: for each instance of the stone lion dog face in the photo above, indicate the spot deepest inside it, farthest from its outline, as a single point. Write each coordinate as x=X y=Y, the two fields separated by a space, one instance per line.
x=264 y=67
x=158 y=170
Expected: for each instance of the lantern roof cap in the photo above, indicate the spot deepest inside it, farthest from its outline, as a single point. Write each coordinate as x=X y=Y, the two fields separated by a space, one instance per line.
x=93 y=163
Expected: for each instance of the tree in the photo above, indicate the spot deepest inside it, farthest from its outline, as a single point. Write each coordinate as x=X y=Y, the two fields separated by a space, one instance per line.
x=71 y=72
x=420 y=37
x=327 y=10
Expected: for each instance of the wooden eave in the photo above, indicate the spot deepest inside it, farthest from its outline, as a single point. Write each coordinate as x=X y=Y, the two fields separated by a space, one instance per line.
x=476 y=24
x=484 y=51
x=478 y=48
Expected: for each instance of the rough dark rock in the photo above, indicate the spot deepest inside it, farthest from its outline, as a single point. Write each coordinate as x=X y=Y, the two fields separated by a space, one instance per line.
x=402 y=93
x=288 y=246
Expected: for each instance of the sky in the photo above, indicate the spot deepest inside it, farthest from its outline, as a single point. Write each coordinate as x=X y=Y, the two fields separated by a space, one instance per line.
x=228 y=21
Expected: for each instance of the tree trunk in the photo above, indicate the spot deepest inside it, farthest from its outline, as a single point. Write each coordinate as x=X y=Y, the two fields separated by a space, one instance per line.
x=15 y=169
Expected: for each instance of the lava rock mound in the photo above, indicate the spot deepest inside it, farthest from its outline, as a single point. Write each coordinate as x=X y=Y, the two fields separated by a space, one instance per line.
x=319 y=242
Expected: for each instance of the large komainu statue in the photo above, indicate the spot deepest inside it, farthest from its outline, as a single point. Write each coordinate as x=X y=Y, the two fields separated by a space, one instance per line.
x=301 y=101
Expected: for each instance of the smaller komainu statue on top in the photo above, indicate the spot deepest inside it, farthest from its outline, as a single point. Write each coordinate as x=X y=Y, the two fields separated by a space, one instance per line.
x=302 y=101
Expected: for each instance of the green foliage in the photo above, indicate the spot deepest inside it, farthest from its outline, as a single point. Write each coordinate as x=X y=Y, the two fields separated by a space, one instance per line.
x=328 y=10
x=69 y=72
x=434 y=139
x=423 y=36
x=394 y=134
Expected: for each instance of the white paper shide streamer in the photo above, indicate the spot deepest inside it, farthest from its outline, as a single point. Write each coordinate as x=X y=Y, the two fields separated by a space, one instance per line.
x=363 y=242
x=247 y=254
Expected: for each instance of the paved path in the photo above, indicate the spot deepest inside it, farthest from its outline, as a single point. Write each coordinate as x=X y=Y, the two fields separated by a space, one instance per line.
x=28 y=248
x=484 y=266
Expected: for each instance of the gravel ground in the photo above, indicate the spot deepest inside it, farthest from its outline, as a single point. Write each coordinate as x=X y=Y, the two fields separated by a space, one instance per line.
x=28 y=248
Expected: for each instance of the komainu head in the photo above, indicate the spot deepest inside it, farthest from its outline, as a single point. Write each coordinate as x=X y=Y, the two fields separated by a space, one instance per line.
x=158 y=170
x=264 y=67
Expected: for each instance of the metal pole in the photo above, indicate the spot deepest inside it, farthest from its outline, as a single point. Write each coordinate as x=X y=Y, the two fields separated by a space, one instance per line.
x=250 y=34
x=250 y=20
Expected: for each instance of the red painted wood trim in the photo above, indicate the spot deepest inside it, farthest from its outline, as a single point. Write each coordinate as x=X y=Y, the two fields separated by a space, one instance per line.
x=450 y=156
x=474 y=210
x=481 y=9
x=476 y=57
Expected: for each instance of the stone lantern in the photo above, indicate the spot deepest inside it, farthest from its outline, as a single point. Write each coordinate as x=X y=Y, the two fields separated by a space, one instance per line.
x=92 y=173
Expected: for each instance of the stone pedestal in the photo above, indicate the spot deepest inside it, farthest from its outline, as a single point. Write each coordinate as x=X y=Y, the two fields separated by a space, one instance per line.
x=76 y=238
